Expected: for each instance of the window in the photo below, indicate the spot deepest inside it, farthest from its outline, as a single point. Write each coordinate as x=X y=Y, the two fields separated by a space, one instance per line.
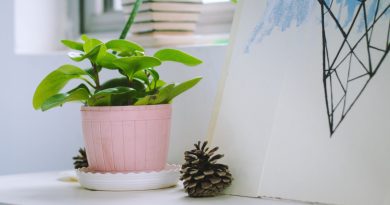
x=106 y=15
x=101 y=16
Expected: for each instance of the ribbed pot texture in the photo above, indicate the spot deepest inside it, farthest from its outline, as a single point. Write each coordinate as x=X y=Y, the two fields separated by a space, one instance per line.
x=127 y=138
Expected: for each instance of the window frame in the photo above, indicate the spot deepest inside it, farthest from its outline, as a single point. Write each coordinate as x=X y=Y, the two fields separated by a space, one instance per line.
x=82 y=19
x=99 y=23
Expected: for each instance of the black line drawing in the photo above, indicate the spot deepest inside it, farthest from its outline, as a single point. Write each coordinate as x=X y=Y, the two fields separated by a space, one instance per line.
x=351 y=63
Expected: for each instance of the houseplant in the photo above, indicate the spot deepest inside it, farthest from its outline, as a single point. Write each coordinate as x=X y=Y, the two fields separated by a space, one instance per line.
x=132 y=110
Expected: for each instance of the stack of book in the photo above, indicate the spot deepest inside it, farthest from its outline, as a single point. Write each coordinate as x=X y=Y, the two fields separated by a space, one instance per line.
x=216 y=18
x=164 y=15
x=179 y=22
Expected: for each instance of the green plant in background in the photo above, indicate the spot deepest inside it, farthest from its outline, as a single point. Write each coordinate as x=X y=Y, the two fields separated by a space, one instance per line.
x=138 y=82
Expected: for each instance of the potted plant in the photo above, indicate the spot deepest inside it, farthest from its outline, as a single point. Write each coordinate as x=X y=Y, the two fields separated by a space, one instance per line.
x=125 y=120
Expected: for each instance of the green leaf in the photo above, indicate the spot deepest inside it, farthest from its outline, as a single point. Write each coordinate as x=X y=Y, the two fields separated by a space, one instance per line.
x=177 y=56
x=112 y=97
x=160 y=98
x=91 y=73
x=154 y=74
x=80 y=56
x=184 y=86
x=155 y=85
x=116 y=90
x=142 y=76
x=159 y=83
x=54 y=82
x=105 y=59
x=164 y=93
x=124 y=46
x=80 y=93
x=145 y=100
x=90 y=44
x=139 y=53
x=115 y=82
x=82 y=86
x=125 y=54
x=91 y=48
x=73 y=45
x=136 y=84
x=130 y=65
x=84 y=37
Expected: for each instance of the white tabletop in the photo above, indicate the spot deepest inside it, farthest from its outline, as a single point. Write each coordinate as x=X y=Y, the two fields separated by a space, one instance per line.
x=45 y=188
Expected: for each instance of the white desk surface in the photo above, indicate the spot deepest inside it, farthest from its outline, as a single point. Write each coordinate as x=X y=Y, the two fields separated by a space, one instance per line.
x=45 y=188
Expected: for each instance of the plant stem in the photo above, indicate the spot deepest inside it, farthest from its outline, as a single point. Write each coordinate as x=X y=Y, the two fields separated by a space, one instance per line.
x=147 y=77
x=129 y=80
x=155 y=85
x=130 y=21
x=128 y=24
x=96 y=71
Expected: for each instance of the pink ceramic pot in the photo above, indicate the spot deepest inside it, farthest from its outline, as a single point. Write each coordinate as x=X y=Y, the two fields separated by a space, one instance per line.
x=126 y=138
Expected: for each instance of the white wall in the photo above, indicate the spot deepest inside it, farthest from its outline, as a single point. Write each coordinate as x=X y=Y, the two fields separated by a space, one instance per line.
x=34 y=141
x=39 y=25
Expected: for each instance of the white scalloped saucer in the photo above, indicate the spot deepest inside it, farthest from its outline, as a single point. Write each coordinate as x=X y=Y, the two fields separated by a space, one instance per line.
x=128 y=181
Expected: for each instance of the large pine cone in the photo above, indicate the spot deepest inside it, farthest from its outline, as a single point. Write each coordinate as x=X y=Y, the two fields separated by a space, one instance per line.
x=201 y=174
x=80 y=160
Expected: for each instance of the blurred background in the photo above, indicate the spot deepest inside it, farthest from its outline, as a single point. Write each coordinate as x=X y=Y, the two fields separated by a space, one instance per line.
x=31 y=30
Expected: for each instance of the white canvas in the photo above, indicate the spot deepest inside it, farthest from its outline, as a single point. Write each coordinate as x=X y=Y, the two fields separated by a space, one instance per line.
x=271 y=117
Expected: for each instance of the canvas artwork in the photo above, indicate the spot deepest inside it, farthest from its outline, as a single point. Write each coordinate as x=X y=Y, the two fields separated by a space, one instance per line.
x=355 y=57
x=303 y=108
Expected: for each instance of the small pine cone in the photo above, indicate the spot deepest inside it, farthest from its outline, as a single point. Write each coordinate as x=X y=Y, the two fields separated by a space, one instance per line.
x=80 y=160
x=201 y=175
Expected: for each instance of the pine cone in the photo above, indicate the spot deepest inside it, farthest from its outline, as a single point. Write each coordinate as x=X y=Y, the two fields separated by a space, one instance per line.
x=80 y=160
x=201 y=175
